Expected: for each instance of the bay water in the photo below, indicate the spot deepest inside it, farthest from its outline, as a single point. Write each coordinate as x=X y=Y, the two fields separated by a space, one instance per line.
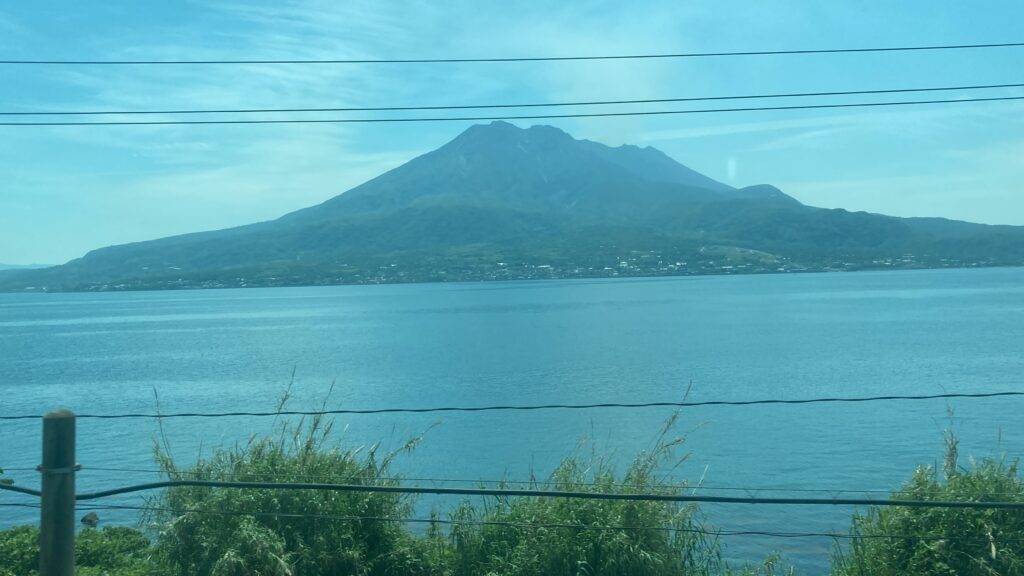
x=619 y=341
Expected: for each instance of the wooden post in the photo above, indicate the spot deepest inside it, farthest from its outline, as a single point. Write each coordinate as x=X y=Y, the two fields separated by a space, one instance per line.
x=57 y=514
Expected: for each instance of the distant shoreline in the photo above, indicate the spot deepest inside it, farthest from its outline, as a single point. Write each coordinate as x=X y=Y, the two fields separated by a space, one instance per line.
x=254 y=283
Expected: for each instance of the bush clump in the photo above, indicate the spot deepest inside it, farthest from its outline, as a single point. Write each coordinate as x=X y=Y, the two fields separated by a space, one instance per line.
x=227 y=531
x=571 y=537
x=902 y=541
x=223 y=531
x=112 y=551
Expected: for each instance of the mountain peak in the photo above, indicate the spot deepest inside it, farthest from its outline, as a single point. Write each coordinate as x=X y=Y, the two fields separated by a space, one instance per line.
x=501 y=131
x=504 y=140
x=495 y=127
x=539 y=169
x=500 y=141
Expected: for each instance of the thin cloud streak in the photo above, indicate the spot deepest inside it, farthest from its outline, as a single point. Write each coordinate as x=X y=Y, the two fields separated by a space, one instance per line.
x=178 y=179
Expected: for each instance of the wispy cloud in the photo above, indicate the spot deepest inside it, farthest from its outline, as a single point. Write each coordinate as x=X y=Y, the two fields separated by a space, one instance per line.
x=804 y=139
x=904 y=121
x=990 y=175
x=156 y=181
x=305 y=30
x=84 y=187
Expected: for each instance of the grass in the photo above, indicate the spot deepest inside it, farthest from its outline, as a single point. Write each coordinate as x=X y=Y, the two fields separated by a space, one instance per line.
x=951 y=541
x=279 y=533
x=203 y=531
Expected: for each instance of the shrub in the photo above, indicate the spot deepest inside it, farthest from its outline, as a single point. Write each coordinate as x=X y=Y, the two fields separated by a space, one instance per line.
x=226 y=531
x=953 y=541
x=220 y=531
x=19 y=550
x=589 y=537
x=112 y=551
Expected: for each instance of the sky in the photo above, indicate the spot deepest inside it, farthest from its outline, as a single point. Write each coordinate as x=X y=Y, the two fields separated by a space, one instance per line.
x=67 y=190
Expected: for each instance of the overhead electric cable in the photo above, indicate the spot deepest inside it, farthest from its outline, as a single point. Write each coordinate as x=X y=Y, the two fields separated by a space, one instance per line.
x=549 y=525
x=513 y=59
x=535 y=493
x=503 y=481
x=20 y=490
x=528 y=105
x=522 y=117
x=531 y=407
x=530 y=525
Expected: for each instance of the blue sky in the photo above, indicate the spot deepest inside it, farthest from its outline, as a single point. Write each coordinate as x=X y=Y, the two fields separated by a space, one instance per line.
x=67 y=190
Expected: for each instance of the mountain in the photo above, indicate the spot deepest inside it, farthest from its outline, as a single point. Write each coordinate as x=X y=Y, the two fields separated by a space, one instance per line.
x=500 y=202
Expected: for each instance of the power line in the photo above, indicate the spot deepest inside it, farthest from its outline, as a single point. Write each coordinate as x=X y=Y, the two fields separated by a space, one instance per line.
x=546 y=525
x=20 y=490
x=516 y=117
x=357 y=518
x=534 y=493
x=514 y=59
x=506 y=481
x=530 y=525
x=601 y=527
x=498 y=481
x=500 y=523
x=529 y=105
x=533 y=407
x=396 y=520
x=249 y=476
x=478 y=481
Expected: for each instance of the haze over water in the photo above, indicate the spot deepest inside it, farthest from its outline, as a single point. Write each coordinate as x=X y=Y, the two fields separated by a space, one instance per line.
x=640 y=340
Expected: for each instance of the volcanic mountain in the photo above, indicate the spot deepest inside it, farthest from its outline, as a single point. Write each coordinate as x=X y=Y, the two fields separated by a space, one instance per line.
x=501 y=202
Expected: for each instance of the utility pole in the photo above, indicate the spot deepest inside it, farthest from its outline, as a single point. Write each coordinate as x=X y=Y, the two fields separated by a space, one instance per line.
x=57 y=513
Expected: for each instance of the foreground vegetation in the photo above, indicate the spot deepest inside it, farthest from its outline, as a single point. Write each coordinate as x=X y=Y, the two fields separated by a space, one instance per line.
x=942 y=541
x=230 y=532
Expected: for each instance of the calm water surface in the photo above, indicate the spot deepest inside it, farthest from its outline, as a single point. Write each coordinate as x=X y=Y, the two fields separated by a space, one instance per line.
x=732 y=338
